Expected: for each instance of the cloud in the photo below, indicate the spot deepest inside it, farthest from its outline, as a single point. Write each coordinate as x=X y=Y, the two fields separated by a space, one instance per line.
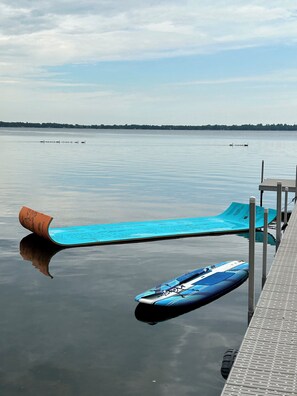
x=59 y=32
x=37 y=37
x=278 y=77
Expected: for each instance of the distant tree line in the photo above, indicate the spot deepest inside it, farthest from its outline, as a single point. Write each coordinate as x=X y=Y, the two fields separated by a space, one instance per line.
x=216 y=127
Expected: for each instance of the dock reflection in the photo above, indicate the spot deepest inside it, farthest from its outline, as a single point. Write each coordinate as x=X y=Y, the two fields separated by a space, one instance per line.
x=39 y=251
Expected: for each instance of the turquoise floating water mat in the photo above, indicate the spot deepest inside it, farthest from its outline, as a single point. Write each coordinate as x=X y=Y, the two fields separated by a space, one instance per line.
x=234 y=219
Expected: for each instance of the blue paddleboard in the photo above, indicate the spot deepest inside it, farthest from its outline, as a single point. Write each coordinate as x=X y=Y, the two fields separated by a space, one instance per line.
x=197 y=287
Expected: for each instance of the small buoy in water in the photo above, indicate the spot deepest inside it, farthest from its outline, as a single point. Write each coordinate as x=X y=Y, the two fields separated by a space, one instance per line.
x=227 y=363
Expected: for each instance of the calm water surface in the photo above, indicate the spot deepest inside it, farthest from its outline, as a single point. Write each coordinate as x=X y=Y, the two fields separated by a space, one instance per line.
x=75 y=332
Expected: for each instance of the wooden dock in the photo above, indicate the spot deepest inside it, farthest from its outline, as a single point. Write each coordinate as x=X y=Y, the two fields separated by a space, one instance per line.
x=266 y=363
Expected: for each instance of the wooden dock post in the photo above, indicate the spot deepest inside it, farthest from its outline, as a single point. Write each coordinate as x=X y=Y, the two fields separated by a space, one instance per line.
x=252 y=233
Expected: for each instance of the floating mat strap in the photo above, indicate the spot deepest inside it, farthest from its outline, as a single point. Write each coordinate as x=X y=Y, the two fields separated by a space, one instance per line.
x=35 y=221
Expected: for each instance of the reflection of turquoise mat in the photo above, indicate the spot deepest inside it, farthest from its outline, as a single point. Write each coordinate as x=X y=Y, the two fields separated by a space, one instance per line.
x=232 y=220
x=259 y=237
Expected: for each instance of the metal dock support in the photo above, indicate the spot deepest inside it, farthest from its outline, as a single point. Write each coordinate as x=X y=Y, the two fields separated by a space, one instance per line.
x=266 y=363
x=264 y=257
x=252 y=233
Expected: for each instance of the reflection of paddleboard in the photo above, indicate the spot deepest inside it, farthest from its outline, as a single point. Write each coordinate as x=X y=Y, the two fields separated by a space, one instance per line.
x=199 y=286
x=153 y=314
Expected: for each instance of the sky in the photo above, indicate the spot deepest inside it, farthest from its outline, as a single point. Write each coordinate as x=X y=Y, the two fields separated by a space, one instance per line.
x=181 y=62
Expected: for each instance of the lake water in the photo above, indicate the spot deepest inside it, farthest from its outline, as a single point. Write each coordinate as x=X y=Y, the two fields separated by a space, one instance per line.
x=75 y=332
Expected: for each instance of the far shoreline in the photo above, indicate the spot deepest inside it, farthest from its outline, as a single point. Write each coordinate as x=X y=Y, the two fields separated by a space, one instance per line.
x=210 y=127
